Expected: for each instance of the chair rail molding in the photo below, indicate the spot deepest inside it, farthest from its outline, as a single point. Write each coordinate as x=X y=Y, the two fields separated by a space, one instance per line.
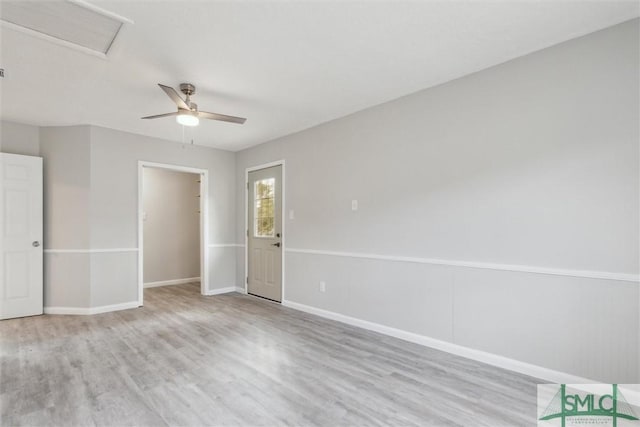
x=622 y=277
x=89 y=251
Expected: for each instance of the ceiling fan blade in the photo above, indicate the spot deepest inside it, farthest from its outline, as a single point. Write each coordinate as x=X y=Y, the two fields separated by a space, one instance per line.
x=222 y=117
x=157 y=116
x=174 y=96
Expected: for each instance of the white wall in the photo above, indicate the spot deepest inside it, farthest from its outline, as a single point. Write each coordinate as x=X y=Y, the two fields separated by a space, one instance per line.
x=171 y=225
x=114 y=194
x=66 y=164
x=66 y=204
x=529 y=165
x=91 y=200
x=18 y=138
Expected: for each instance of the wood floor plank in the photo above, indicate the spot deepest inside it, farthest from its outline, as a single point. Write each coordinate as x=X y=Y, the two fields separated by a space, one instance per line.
x=186 y=359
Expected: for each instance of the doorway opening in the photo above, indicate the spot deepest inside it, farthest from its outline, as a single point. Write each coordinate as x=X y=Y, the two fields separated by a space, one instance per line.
x=265 y=234
x=172 y=224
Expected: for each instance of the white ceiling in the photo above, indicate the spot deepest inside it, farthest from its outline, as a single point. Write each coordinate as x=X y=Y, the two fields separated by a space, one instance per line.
x=284 y=65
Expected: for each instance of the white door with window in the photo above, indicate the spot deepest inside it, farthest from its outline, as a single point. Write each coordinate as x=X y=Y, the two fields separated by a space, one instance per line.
x=264 y=233
x=21 y=236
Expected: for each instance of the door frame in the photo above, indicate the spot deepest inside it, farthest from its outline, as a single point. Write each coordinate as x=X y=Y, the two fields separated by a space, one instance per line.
x=204 y=222
x=246 y=223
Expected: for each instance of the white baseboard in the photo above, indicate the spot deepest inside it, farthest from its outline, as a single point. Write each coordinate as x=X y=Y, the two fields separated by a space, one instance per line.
x=171 y=282
x=67 y=310
x=225 y=290
x=92 y=310
x=546 y=374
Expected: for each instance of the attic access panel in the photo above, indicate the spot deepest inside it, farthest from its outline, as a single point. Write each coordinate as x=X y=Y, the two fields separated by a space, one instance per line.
x=73 y=22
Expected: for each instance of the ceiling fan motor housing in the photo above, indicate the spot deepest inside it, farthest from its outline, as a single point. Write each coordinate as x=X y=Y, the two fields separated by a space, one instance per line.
x=187 y=88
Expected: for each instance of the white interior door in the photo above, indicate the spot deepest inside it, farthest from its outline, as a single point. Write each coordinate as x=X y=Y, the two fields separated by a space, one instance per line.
x=264 y=233
x=21 y=236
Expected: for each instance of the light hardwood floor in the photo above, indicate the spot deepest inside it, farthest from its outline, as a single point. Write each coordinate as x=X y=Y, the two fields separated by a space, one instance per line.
x=185 y=359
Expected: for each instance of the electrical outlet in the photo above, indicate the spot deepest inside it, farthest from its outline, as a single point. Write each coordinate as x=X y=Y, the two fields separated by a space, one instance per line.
x=323 y=287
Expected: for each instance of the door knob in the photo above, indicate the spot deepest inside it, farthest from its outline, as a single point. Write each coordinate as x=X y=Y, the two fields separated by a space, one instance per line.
x=36 y=244
x=276 y=244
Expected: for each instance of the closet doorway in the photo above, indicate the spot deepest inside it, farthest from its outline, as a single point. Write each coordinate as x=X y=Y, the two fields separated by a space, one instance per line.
x=172 y=224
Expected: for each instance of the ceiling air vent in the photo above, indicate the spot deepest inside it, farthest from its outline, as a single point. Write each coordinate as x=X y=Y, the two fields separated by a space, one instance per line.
x=72 y=23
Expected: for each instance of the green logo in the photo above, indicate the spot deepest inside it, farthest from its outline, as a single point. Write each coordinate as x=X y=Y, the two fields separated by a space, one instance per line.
x=583 y=407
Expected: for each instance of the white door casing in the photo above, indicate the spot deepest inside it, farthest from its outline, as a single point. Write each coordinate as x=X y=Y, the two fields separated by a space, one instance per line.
x=264 y=233
x=204 y=223
x=21 y=280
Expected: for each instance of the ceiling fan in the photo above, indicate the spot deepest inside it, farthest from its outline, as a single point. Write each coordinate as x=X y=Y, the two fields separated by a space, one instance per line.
x=188 y=114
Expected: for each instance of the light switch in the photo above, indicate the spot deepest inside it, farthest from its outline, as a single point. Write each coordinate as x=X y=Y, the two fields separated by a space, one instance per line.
x=291 y=214
x=354 y=205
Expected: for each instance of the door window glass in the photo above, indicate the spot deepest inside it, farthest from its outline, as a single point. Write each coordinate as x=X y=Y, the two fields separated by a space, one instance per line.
x=264 y=207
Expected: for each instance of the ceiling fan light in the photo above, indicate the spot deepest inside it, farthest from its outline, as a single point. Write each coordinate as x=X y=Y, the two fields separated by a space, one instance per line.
x=187 y=119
